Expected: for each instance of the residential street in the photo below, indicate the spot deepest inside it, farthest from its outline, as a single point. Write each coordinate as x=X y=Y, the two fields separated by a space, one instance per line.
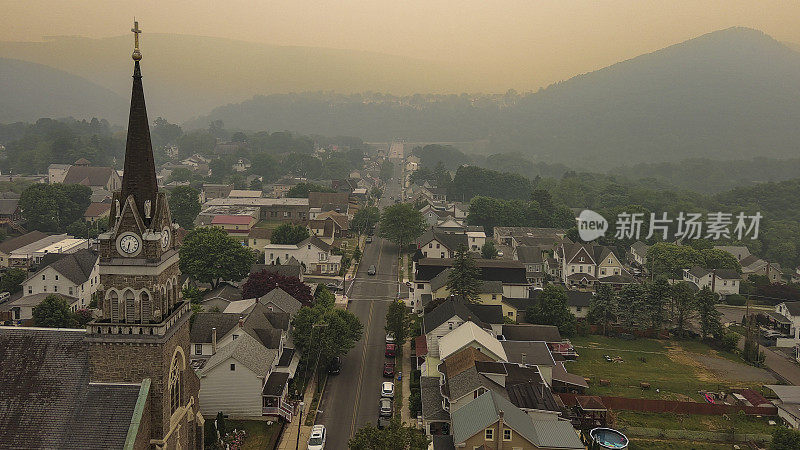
x=351 y=398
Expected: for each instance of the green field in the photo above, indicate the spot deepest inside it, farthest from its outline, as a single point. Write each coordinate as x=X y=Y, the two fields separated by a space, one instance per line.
x=259 y=434
x=667 y=365
x=668 y=421
x=641 y=444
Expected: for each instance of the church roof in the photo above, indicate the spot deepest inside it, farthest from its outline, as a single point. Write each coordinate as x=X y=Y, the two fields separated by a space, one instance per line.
x=139 y=177
x=88 y=175
x=47 y=399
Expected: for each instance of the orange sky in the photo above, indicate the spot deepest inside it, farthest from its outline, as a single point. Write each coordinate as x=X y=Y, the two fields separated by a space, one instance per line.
x=552 y=38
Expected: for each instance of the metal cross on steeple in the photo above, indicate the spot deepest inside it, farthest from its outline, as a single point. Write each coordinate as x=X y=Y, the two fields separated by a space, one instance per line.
x=137 y=55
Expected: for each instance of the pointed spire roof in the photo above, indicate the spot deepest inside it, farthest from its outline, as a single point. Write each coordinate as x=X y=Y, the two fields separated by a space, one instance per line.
x=139 y=177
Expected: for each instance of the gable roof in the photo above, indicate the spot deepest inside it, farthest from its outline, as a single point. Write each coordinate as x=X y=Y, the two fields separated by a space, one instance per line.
x=466 y=333
x=531 y=333
x=97 y=209
x=229 y=219
x=536 y=353
x=445 y=312
x=793 y=307
x=450 y=241
x=282 y=300
x=246 y=350
x=518 y=303
x=88 y=175
x=492 y=314
x=287 y=269
x=8 y=206
x=48 y=401
x=640 y=247
x=76 y=267
x=463 y=360
x=204 y=322
x=504 y=270
x=581 y=298
x=9 y=245
x=725 y=274
x=529 y=254
x=316 y=242
x=431 y=396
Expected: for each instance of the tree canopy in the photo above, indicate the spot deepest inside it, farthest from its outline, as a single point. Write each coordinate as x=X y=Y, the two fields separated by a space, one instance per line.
x=289 y=234
x=184 y=205
x=464 y=280
x=401 y=224
x=260 y=283
x=209 y=255
x=301 y=190
x=53 y=312
x=365 y=219
x=53 y=207
x=394 y=437
x=551 y=309
x=323 y=332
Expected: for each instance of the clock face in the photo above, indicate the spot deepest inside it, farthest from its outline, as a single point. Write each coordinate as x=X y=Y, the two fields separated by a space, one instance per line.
x=129 y=244
x=165 y=238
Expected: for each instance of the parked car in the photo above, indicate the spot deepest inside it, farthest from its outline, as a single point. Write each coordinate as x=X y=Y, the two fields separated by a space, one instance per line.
x=388 y=370
x=383 y=422
x=335 y=366
x=371 y=270
x=385 y=409
x=317 y=439
x=390 y=338
x=387 y=389
x=369 y=239
x=390 y=350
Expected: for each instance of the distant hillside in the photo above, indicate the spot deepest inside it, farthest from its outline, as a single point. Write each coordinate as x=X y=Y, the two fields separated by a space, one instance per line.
x=31 y=91
x=731 y=94
x=189 y=75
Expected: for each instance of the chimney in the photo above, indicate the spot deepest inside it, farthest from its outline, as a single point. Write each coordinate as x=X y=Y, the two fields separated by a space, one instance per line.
x=500 y=426
x=214 y=340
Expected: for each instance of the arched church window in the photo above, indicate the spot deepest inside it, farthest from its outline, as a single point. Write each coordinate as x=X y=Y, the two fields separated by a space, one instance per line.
x=147 y=308
x=114 y=306
x=130 y=307
x=175 y=383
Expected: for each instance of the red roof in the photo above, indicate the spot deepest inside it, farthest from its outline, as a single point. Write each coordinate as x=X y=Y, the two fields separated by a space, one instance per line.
x=231 y=220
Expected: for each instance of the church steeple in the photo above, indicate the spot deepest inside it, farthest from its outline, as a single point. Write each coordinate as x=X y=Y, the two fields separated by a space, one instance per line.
x=139 y=177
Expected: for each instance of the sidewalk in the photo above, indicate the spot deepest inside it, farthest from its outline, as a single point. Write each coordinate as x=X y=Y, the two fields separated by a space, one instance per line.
x=405 y=412
x=289 y=436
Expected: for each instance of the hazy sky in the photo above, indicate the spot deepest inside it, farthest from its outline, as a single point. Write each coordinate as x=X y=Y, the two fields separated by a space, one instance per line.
x=555 y=39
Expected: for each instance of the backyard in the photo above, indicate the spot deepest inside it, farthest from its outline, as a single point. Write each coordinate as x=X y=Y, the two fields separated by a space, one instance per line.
x=675 y=370
x=667 y=421
x=259 y=434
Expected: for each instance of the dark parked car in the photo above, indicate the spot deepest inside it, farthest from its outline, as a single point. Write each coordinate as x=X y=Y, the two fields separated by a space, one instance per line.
x=383 y=422
x=369 y=239
x=386 y=407
x=371 y=270
x=390 y=350
x=388 y=370
x=336 y=366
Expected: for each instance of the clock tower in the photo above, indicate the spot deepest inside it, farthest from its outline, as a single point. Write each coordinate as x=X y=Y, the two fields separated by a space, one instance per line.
x=144 y=329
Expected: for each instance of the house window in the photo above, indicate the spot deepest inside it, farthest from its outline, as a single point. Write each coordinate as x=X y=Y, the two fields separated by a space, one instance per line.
x=578 y=308
x=430 y=245
x=506 y=434
x=511 y=314
x=56 y=277
x=449 y=325
x=44 y=288
x=609 y=260
x=580 y=259
x=235 y=336
x=55 y=288
x=602 y=271
x=309 y=246
x=43 y=276
x=478 y=392
x=420 y=286
x=254 y=242
x=70 y=290
x=441 y=254
x=580 y=269
x=271 y=256
x=30 y=289
x=573 y=269
x=494 y=296
x=437 y=246
x=198 y=349
x=488 y=434
x=233 y=366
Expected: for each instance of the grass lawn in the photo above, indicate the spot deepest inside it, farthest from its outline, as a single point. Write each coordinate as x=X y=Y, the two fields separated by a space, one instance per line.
x=668 y=421
x=667 y=365
x=641 y=444
x=259 y=434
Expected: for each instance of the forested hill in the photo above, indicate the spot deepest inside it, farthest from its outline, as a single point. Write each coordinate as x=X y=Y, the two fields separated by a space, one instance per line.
x=730 y=94
x=29 y=91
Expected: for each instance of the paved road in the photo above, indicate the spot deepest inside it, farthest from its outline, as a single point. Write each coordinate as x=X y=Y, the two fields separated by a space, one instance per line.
x=351 y=398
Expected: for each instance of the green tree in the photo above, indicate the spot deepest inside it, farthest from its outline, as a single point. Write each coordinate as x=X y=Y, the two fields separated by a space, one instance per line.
x=52 y=207
x=709 y=315
x=301 y=190
x=365 y=219
x=552 y=309
x=265 y=166
x=387 y=170
x=324 y=297
x=53 y=312
x=398 y=322
x=12 y=280
x=464 y=280
x=184 y=205
x=401 y=224
x=489 y=251
x=785 y=439
x=669 y=260
x=714 y=258
x=357 y=254
x=289 y=234
x=209 y=255
x=657 y=297
x=164 y=133
x=632 y=304
x=683 y=304
x=603 y=307
x=322 y=333
x=221 y=168
x=394 y=437
x=376 y=192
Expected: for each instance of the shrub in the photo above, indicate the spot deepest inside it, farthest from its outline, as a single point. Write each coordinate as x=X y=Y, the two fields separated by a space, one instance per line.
x=735 y=300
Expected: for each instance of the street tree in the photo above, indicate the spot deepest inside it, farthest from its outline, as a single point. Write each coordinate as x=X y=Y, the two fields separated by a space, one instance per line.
x=53 y=312
x=321 y=333
x=324 y=297
x=260 y=283
x=489 y=251
x=12 y=280
x=52 y=207
x=401 y=224
x=603 y=307
x=365 y=219
x=552 y=309
x=184 y=205
x=684 y=305
x=709 y=315
x=209 y=255
x=289 y=234
x=464 y=280
x=398 y=322
x=394 y=437
x=785 y=439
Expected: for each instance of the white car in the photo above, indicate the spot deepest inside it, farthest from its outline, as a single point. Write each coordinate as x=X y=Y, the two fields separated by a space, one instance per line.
x=387 y=389
x=390 y=338
x=317 y=439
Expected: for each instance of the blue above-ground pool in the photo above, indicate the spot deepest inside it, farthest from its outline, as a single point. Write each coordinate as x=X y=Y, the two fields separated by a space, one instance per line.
x=609 y=438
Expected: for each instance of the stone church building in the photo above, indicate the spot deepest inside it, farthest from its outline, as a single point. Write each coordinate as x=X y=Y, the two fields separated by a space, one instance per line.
x=125 y=381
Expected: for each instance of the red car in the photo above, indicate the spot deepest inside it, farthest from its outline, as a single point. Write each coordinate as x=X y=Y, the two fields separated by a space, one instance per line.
x=390 y=349
x=388 y=370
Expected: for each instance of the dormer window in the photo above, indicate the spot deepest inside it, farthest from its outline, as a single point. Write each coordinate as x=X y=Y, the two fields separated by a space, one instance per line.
x=580 y=259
